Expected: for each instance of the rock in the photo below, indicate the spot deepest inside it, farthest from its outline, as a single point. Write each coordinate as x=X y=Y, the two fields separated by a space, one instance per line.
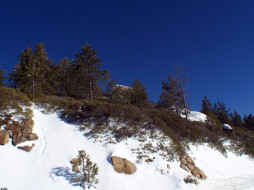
x=168 y=166
x=26 y=148
x=122 y=165
x=27 y=126
x=149 y=160
x=14 y=127
x=21 y=132
x=189 y=165
x=4 y=137
x=198 y=173
x=32 y=137
x=183 y=166
x=7 y=119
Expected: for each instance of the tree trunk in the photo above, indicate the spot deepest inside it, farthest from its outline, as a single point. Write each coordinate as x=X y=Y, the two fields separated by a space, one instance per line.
x=184 y=102
x=90 y=83
x=33 y=80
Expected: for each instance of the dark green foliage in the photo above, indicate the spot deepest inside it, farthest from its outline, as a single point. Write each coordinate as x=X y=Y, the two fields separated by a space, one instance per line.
x=121 y=95
x=110 y=87
x=35 y=73
x=86 y=171
x=47 y=70
x=236 y=119
x=25 y=74
x=249 y=121
x=171 y=96
x=221 y=112
x=138 y=94
x=1 y=78
x=206 y=106
x=87 y=74
x=63 y=79
x=174 y=96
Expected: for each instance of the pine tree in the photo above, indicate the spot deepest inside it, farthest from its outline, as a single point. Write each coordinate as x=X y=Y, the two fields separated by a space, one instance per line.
x=181 y=80
x=110 y=87
x=63 y=77
x=2 y=78
x=85 y=170
x=249 y=121
x=236 y=119
x=206 y=106
x=46 y=82
x=25 y=72
x=171 y=96
x=221 y=112
x=138 y=94
x=86 y=67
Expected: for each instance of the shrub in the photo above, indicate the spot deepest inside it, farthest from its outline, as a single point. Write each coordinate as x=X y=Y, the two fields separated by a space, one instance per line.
x=85 y=170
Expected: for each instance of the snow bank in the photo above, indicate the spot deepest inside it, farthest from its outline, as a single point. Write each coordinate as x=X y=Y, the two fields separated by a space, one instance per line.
x=197 y=116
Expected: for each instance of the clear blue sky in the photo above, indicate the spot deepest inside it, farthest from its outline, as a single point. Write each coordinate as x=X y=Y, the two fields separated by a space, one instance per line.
x=213 y=40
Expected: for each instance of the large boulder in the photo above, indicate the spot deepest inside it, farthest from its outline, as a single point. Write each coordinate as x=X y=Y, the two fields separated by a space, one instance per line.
x=4 y=137
x=21 y=132
x=188 y=164
x=122 y=165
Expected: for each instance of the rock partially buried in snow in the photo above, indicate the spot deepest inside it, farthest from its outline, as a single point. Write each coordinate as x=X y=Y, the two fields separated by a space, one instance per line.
x=21 y=132
x=26 y=148
x=189 y=165
x=122 y=165
x=227 y=127
x=4 y=137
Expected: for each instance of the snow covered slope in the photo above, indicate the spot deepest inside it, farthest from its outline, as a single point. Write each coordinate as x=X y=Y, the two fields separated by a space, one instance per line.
x=47 y=166
x=224 y=173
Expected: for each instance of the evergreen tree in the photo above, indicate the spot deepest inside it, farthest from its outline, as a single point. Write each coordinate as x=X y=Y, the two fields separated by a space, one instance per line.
x=110 y=87
x=221 y=112
x=25 y=72
x=138 y=95
x=249 y=121
x=206 y=106
x=236 y=119
x=171 y=96
x=35 y=73
x=2 y=78
x=47 y=70
x=85 y=170
x=63 y=78
x=86 y=67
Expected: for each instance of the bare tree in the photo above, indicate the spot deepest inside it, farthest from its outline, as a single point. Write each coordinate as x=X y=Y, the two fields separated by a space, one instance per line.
x=182 y=84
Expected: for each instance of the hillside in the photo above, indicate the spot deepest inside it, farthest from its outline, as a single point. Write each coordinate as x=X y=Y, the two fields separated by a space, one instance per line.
x=48 y=166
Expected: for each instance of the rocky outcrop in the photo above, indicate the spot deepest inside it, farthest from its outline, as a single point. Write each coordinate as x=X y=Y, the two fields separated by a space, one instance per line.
x=122 y=165
x=26 y=148
x=188 y=164
x=4 y=137
x=21 y=132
